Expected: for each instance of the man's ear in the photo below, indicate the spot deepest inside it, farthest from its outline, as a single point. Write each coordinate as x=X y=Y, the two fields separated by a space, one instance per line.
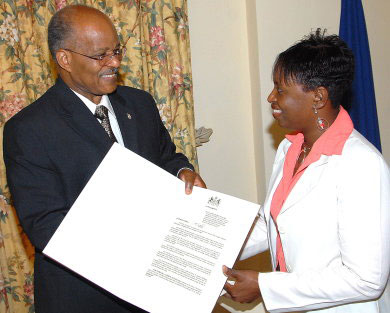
x=64 y=59
x=321 y=97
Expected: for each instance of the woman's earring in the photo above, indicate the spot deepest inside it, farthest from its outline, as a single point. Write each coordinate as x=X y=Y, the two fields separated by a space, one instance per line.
x=322 y=124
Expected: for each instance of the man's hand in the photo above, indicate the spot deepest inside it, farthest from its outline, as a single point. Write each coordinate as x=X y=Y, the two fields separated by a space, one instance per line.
x=246 y=286
x=191 y=179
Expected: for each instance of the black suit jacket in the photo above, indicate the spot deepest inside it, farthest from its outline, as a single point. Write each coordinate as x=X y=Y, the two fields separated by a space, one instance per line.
x=51 y=149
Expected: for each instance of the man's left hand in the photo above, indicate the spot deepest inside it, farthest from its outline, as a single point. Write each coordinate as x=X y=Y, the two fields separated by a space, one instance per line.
x=191 y=179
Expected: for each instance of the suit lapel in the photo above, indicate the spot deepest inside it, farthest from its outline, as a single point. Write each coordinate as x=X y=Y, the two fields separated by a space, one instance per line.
x=306 y=183
x=127 y=120
x=80 y=118
x=274 y=182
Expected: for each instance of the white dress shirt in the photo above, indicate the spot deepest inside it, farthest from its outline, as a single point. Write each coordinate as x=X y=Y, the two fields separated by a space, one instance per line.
x=105 y=101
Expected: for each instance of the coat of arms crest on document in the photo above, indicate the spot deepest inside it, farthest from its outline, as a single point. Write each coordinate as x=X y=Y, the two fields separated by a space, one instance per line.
x=214 y=201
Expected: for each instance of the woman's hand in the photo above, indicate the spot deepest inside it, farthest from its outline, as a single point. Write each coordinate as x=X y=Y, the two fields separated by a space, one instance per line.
x=246 y=286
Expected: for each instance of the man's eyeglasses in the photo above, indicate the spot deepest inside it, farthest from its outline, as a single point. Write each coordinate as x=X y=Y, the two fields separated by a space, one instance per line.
x=106 y=57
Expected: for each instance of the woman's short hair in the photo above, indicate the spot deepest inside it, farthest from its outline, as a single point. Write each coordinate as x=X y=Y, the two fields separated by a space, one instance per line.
x=318 y=60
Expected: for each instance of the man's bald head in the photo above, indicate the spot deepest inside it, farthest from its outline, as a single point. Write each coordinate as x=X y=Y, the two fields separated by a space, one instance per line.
x=85 y=45
x=65 y=24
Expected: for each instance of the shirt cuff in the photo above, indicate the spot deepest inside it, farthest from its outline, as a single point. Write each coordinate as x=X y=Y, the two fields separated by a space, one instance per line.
x=183 y=168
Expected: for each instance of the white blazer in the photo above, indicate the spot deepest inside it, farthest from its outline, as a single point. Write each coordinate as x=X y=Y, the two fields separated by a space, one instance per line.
x=335 y=233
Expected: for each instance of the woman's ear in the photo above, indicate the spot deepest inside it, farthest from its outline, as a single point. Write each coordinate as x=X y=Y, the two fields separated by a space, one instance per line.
x=321 y=97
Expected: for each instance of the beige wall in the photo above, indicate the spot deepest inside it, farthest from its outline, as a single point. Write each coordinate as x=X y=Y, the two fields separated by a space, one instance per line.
x=377 y=15
x=233 y=46
x=219 y=48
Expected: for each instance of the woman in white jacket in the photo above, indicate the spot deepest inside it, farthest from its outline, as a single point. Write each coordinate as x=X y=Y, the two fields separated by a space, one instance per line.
x=326 y=218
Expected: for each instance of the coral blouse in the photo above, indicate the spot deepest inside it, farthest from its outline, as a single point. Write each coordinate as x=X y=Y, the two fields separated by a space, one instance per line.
x=330 y=142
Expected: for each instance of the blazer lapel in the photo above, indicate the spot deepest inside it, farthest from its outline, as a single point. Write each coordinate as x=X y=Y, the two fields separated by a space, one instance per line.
x=274 y=182
x=80 y=118
x=127 y=120
x=306 y=183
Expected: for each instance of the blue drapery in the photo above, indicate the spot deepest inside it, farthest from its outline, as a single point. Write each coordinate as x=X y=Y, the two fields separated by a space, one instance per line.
x=363 y=106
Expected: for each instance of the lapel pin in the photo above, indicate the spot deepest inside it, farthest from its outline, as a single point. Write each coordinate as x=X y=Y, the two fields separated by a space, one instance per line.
x=129 y=116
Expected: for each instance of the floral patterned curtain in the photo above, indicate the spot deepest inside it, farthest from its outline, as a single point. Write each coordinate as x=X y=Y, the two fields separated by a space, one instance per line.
x=155 y=33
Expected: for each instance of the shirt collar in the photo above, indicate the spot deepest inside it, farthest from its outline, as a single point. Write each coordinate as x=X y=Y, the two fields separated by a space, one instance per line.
x=333 y=139
x=105 y=101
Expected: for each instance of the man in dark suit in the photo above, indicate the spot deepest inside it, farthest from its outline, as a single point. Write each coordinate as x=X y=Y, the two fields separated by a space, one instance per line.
x=53 y=146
